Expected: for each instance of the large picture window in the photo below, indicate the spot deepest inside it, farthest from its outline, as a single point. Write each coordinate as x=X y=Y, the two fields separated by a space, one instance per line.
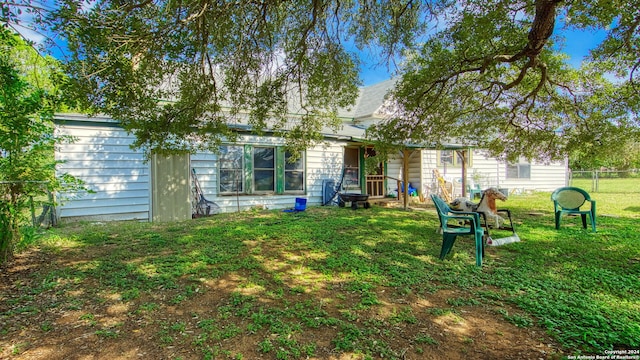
x=260 y=169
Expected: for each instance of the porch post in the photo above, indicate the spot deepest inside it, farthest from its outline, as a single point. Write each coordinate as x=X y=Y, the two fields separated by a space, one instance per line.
x=405 y=177
x=463 y=156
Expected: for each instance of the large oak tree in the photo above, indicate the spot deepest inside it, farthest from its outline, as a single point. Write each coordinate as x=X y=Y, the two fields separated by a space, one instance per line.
x=493 y=77
x=484 y=72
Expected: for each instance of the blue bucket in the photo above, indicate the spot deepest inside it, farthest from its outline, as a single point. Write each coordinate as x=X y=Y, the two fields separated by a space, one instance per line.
x=301 y=204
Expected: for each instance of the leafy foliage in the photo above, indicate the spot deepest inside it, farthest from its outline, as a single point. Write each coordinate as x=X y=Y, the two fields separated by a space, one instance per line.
x=183 y=75
x=493 y=77
x=27 y=141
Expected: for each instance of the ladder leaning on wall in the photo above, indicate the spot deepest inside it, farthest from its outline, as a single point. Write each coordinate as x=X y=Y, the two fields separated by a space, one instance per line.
x=442 y=186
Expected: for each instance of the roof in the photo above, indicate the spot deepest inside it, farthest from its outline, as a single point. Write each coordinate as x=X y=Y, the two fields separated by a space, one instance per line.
x=369 y=106
x=372 y=98
x=348 y=131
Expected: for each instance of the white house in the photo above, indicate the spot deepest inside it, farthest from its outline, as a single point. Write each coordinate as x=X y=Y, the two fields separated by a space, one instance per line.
x=254 y=171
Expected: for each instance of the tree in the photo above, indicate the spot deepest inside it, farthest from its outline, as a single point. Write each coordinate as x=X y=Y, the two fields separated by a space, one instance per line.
x=27 y=164
x=493 y=78
x=177 y=73
x=485 y=72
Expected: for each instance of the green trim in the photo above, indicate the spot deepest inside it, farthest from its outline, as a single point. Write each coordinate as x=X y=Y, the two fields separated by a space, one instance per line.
x=456 y=162
x=248 y=169
x=385 y=171
x=279 y=169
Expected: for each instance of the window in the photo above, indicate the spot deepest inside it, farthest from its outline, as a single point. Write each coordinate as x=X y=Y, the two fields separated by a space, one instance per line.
x=452 y=158
x=520 y=170
x=352 y=166
x=260 y=169
x=293 y=173
x=446 y=157
x=231 y=168
x=264 y=163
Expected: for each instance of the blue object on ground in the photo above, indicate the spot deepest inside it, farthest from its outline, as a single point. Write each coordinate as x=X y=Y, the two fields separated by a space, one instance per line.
x=300 y=205
x=411 y=190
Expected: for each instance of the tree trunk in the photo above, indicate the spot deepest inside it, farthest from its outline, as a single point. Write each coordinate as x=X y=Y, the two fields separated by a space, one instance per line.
x=9 y=228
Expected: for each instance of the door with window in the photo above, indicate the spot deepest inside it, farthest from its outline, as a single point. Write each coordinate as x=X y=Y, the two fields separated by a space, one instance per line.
x=375 y=179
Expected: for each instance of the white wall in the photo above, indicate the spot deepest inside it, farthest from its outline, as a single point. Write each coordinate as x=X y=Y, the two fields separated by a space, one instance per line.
x=101 y=156
x=394 y=170
x=544 y=177
x=323 y=161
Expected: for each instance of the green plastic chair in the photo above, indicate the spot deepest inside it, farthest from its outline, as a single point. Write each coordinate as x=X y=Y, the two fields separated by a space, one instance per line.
x=474 y=192
x=569 y=200
x=454 y=223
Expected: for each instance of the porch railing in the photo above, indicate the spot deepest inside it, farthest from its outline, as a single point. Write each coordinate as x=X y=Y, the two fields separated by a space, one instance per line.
x=374 y=186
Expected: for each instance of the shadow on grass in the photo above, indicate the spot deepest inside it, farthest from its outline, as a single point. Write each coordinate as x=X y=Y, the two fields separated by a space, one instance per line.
x=266 y=278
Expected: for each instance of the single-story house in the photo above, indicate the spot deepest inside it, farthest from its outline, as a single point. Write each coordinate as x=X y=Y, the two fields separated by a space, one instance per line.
x=254 y=171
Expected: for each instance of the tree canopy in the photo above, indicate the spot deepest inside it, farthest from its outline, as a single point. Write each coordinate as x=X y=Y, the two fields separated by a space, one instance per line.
x=489 y=73
x=179 y=73
x=30 y=92
x=494 y=78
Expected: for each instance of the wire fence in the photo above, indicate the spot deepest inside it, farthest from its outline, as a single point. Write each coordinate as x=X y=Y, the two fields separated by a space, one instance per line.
x=607 y=181
x=40 y=201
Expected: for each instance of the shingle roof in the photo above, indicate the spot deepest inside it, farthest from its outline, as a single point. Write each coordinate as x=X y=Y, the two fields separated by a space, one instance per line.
x=372 y=97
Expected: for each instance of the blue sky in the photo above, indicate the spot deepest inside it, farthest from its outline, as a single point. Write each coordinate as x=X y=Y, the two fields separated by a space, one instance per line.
x=577 y=45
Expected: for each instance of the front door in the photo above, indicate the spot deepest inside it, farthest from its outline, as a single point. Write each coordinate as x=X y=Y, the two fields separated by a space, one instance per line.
x=375 y=181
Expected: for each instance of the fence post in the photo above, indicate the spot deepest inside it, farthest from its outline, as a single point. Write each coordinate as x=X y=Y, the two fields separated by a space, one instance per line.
x=33 y=211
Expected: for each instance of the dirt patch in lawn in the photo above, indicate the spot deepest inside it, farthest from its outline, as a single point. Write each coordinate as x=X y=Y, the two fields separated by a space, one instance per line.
x=222 y=317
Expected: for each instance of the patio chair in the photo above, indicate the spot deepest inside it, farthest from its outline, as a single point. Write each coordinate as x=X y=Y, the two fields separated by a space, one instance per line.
x=569 y=200
x=474 y=192
x=454 y=223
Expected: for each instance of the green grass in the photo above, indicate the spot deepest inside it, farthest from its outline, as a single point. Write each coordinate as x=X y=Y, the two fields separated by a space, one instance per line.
x=327 y=269
x=604 y=185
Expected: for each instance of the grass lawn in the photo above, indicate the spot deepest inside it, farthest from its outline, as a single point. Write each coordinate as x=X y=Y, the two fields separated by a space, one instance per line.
x=327 y=283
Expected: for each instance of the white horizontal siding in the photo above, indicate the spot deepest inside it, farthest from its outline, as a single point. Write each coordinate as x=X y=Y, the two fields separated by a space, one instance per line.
x=544 y=177
x=491 y=172
x=119 y=176
x=323 y=161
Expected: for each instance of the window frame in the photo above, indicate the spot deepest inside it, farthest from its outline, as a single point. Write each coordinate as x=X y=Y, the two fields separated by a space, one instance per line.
x=240 y=170
x=456 y=160
x=302 y=169
x=247 y=181
x=255 y=169
x=518 y=167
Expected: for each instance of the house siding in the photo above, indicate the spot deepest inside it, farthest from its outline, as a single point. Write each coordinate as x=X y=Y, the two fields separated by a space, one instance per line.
x=491 y=172
x=101 y=156
x=394 y=170
x=119 y=176
x=323 y=161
